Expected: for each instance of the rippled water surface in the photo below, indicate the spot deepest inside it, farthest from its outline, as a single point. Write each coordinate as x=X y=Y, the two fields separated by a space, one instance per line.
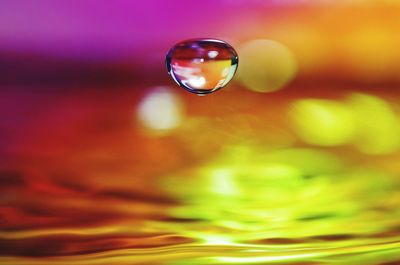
x=87 y=178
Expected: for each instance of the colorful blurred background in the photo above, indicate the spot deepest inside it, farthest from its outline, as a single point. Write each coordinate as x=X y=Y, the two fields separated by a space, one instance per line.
x=104 y=160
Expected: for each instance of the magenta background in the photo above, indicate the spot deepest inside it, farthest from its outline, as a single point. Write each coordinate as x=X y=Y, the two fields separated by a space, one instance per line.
x=113 y=29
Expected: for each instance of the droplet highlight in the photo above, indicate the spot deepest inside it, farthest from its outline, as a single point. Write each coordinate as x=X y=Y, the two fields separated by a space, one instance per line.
x=202 y=66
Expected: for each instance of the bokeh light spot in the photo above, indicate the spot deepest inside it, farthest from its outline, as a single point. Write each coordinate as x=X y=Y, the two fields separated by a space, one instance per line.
x=378 y=128
x=322 y=122
x=266 y=65
x=160 y=111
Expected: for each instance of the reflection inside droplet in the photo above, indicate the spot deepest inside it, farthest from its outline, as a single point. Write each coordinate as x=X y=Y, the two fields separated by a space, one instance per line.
x=202 y=66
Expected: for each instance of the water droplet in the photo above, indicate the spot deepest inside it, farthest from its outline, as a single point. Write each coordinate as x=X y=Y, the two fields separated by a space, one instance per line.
x=202 y=66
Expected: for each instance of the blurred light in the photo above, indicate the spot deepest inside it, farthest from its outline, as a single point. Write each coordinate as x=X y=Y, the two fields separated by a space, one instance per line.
x=364 y=120
x=378 y=128
x=287 y=193
x=212 y=54
x=266 y=258
x=223 y=182
x=266 y=65
x=203 y=75
x=304 y=159
x=322 y=122
x=161 y=110
x=197 y=82
x=210 y=239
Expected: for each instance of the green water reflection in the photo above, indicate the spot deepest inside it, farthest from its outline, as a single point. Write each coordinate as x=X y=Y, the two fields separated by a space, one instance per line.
x=254 y=205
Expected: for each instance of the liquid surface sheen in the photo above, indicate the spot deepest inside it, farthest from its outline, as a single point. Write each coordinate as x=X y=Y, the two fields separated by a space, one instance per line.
x=109 y=194
x=202 y=66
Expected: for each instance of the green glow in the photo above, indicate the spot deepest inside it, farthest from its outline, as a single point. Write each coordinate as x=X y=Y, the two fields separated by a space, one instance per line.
x=249 y=194
x=268 y=194
x=364 y=120
x=322 y=122
x=378 y=129
x=247 y=260
x=222 y=182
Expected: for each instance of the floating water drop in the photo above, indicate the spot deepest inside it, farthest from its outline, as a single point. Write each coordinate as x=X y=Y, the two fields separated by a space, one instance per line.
x=202 y=66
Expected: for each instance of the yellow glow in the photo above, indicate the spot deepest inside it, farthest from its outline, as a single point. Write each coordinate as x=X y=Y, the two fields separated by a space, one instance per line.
x=322 y=122
x=269 y=192
x=289 y=194
x=214 y=239
x=223 y=183
x=378 y=128
x=161 y=110
x=266 y=65
x=246 y=260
